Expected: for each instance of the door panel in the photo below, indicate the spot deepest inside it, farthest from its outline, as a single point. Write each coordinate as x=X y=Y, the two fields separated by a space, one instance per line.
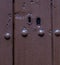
x=5 y=30
x=56 y=26
x=32 y=49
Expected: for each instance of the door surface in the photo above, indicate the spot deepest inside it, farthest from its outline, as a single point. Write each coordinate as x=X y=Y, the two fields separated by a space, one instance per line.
x=33 y=36
x=32 y=40
x=5 y=32
x=56 y=31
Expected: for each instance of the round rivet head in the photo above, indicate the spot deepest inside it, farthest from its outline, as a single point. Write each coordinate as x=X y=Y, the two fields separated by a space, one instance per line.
x=24 y=32
x=41 y=33
x=7 y=36
x=57 y=32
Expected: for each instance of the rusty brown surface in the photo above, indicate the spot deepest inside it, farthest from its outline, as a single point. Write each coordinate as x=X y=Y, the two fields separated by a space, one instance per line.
x=33 y=49
x=5 y=27
x=56 y=25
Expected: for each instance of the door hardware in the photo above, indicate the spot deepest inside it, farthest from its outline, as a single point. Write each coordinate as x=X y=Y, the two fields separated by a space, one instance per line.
x=24 y=32
x=38 y=21
x=57 y=32
x=7 y=36
x=29 y=20
x=41 y=32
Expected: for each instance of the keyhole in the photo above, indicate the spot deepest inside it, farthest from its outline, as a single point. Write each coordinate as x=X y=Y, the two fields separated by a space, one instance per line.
x=38 y=21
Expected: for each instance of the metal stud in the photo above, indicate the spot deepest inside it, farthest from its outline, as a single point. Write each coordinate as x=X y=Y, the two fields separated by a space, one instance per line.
x=7 y=36
x=57 y=32
x=41 y=32
x=24 y=32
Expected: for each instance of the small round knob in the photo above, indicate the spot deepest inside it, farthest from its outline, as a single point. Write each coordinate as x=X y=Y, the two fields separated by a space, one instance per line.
x=57 y=32
x=7 y=36
x=24 y=32
x=41 y=33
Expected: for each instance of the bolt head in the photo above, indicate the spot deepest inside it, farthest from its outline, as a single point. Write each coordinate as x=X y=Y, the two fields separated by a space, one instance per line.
x=7 y=36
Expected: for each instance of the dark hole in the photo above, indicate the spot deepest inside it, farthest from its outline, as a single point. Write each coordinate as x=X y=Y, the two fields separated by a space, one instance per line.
x=38 y=21
x=29 y=19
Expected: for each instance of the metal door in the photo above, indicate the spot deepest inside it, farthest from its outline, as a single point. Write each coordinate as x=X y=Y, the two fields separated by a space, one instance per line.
x=32 y=37
x=5 y=32
x=56 y=32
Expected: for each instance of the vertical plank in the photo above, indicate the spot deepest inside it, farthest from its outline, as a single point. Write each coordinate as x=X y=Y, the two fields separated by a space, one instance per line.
x=56 y=26
x=5 y=27
x=33 y=49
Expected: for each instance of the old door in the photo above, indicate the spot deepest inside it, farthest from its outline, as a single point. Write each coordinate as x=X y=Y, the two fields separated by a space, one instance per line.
x=56 y=32
x=5 y=32
x=32 y=37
